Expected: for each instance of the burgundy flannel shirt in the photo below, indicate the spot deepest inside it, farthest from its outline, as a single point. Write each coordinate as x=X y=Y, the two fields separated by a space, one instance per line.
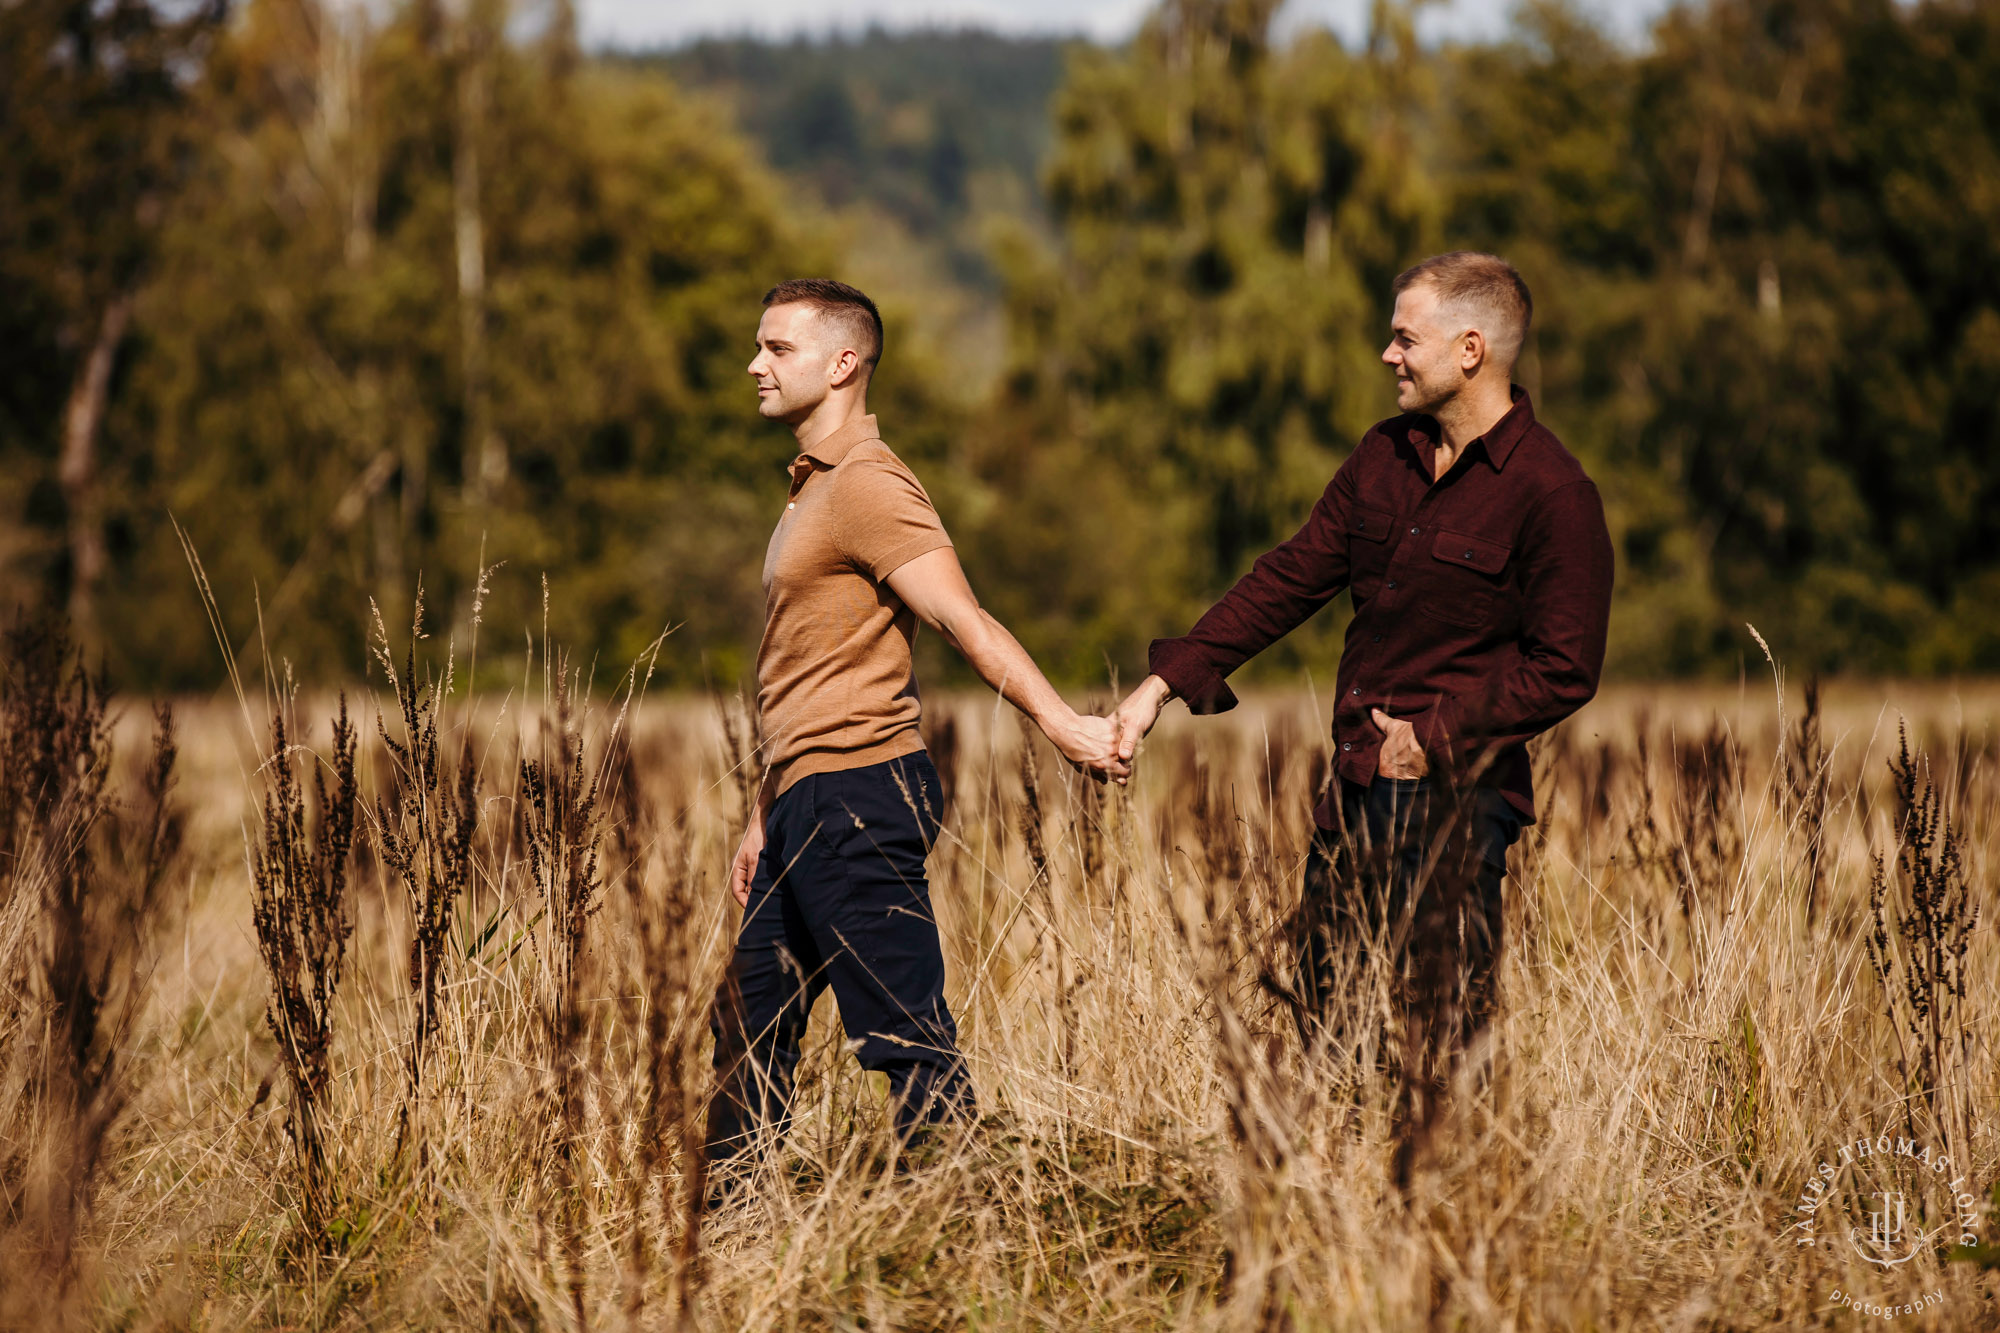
x=1480 y=600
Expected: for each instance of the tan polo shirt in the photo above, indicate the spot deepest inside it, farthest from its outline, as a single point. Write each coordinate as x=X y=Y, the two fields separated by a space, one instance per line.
x=835 y=683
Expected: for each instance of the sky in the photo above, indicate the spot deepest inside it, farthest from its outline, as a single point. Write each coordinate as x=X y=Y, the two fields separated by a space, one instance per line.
x=671 y=22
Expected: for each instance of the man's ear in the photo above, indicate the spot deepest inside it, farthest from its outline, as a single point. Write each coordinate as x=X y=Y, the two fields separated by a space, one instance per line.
x=846 y=365
x=1472 y=351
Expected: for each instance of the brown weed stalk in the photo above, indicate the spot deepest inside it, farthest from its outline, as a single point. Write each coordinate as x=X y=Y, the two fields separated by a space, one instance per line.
x=744 y=749
x=299 y=907
x=424 y=833
x=665 y=1004
x=564 y=823
x=1923 y=916
x=1029 y=821
x=80 y=881
x=1262 y=1119
x=1803 y=773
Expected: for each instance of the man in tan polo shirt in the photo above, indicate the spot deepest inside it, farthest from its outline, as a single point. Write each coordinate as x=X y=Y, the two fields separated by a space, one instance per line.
x=830 y=873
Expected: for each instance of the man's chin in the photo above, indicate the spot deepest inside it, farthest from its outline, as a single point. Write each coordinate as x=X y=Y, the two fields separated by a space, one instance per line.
x=1413 y=401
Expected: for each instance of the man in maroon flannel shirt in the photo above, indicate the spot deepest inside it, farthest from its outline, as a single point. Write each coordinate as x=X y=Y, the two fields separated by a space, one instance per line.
x=1475 y=550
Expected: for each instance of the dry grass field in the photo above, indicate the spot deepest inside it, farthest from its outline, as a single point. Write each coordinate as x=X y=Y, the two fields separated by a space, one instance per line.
x=493 y=1011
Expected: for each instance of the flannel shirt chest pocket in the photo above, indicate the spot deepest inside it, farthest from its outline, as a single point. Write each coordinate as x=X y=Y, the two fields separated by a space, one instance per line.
x=1469 y=580
x=1368 y=530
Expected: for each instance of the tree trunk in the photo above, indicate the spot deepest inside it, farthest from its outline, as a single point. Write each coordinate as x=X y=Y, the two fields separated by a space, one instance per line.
x=485 y=455
x=77 y=468
x=1707 y=180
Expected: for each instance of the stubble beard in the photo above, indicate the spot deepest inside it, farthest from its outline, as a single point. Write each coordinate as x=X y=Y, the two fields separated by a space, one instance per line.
x=1424 y=401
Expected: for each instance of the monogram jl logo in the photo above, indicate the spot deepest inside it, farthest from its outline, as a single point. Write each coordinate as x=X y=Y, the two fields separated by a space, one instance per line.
x=1885 y=1233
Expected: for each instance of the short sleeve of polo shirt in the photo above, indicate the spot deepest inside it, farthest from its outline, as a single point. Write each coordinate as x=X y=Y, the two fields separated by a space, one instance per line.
x=883 y=520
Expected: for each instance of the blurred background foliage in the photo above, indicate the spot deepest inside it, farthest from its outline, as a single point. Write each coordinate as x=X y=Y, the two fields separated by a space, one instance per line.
x=362 y=297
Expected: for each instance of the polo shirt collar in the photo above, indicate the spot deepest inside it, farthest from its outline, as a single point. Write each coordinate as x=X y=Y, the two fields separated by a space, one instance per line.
x=829 y=451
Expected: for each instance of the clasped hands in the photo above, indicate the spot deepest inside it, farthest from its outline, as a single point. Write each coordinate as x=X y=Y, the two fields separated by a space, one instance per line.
x=1401 y=756
x=1104 y=747
x=1090 y=743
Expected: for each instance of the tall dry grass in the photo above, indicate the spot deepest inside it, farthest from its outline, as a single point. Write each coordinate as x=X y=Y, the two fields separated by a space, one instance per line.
x=1725 y=957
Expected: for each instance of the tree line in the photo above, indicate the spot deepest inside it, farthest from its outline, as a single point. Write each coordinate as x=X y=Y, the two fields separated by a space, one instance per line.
x=366 y=299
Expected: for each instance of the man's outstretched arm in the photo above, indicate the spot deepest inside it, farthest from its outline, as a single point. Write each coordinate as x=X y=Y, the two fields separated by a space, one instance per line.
x=933 y=585
x=1287 y=584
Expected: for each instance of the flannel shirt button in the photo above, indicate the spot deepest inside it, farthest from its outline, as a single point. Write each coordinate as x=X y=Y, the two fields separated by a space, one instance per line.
x=1355 y=690
x=1392 y=583
x=1345 y=746
x=1468 y=555
x=1413 y=532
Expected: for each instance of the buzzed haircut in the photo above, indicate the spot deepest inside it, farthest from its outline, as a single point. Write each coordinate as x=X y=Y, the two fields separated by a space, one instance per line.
x=846 y=306
x=1484 y=287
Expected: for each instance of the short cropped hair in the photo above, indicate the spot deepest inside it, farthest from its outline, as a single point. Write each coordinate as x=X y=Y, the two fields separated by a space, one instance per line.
x=846 y=306
x=1484 y=288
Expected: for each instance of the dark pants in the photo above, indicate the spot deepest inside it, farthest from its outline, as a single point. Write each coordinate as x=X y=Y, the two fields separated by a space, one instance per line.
x=1414 y=871
x=840 y=899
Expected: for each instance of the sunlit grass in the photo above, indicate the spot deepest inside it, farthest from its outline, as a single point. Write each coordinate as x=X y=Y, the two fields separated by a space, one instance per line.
x=1689 y=1026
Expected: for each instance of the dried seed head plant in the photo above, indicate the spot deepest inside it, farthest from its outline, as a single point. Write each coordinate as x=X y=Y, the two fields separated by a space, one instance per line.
x=1923 y=913
x=571 y=802
x=82 y=870
x=663 y=1001
x=300 y=909
x=425 y=829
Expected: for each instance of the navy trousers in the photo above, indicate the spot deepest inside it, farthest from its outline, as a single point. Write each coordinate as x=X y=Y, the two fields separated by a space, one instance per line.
x=840 y=899
x=1416 y=867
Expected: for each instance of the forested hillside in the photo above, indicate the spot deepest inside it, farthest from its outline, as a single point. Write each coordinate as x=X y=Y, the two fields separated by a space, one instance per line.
x=932 y=128
x=362 y=298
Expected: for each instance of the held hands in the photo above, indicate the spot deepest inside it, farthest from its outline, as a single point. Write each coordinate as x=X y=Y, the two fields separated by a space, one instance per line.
x=1091 y=743
x=1402 y=757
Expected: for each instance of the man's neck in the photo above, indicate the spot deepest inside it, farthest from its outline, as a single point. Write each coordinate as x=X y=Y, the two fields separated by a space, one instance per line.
x=1470 y=414
x=834 y=413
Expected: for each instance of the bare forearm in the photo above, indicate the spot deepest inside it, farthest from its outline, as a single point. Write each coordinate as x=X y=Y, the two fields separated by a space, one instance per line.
x=933 y=586
x=1004 y=664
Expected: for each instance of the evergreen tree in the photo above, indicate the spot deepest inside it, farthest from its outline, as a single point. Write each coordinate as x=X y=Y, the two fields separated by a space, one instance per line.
x=1194 y=360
